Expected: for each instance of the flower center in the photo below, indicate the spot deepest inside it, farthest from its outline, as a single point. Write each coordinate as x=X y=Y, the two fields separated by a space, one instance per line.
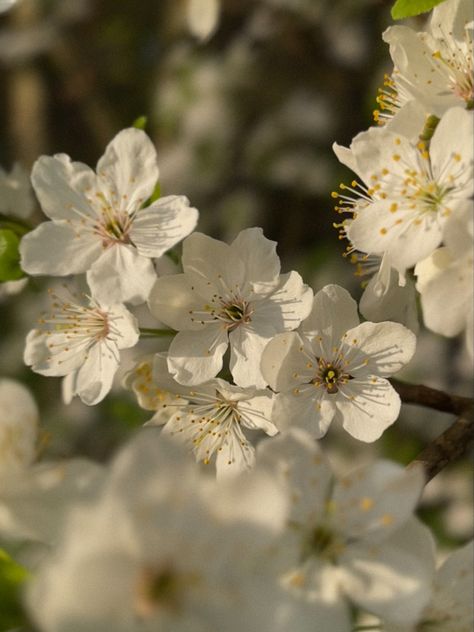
x=234 y=313
x=330 y=376
x=113 y=226
x=159 y=589
x=322 y=542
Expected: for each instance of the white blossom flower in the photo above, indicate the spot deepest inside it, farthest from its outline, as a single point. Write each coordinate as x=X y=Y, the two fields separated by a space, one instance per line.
x=409 y=191
x=228 y=295
x=354 y=536
x=336 y=368
x=18 y=428
x=211 y=419
x=98 y=224
x=154 y=552
x=445 y=279
x=81 y=341
x=149 y=396
x=434 y=67
x=451 y=606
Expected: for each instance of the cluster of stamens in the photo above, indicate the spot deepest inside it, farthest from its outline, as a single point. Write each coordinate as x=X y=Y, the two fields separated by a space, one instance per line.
x=228 y=308
x=330 y=376
x=80 y=327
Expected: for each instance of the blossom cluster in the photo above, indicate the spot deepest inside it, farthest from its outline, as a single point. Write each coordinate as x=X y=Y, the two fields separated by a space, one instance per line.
x=224 y=513
x=411 y=207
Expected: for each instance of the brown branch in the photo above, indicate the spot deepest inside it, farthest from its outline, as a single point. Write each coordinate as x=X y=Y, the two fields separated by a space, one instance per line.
x=449 y=446
x=431 y=398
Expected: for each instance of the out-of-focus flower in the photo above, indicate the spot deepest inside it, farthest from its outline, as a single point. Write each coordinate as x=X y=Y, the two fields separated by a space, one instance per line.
x=228 y=295
x=354 y=539
x=451 y=606
x=211 y=418
x=162 y=548
x=18 y=429
x=98 y=224
x=203 y=17
x=335 y=368
x=81 y=340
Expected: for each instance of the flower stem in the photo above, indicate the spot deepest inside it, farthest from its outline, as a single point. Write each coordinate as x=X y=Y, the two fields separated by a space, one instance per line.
x=147 y=332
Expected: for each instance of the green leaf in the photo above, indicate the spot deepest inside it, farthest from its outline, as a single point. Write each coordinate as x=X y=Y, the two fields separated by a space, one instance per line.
x=12 y=578
x=140 y=122
x=407 y=8
x=9 y=256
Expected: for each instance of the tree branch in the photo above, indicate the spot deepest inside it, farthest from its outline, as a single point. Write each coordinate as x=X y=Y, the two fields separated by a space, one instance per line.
x=431 y=398
x=449 y=446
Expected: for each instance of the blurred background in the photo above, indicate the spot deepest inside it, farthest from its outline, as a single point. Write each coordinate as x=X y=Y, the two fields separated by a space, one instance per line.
x=243 y=106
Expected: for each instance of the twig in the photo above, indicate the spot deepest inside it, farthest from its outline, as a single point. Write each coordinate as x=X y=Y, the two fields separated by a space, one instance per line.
x=431 y=398
x=449 y=446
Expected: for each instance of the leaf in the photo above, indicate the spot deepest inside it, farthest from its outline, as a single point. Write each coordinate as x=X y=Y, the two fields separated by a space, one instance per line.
x=140 y=122
x=10 y=269
x=12 y=578
x=407 y=8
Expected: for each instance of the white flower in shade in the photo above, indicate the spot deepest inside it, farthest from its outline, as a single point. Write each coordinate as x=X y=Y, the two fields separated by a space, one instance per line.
x=149 y=396
x=409 y=191
x=18 y=428
x=211 y=419
x=435 y=67
x=384 y=297
x=228 y=295
x=445 y=279
x=162 y=549
x=451 y=606
x=98 y=224
x=336 y=369
x=355 y=537
x=81 y=340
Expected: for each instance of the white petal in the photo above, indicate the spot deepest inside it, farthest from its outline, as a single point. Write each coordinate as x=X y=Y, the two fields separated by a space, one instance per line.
x=376 y=500
x=246 y=348
x=128 y=170
x=94 y=379
x=284 y=362
x=158 y=227
x=123 y=327
x=256 y=413
x=300 y=465
x=262 y=264
x=334 y=312
x=195 y=357
x=397 y=303
x=311 y=410
x=49 y=354
x=388 y=346
x=292 y=299
x=212 y=265
x=62 y=187
x=172 y=299
x=452 y=603
x=375 y=231
x=57 y=249
x=121 y=275
x=369 y=407
x=233 y=457
x=393 y=579
x=453 y=136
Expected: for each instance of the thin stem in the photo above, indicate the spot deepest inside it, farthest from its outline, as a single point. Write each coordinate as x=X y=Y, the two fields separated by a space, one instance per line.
x=147 y=332
x=431 y=397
